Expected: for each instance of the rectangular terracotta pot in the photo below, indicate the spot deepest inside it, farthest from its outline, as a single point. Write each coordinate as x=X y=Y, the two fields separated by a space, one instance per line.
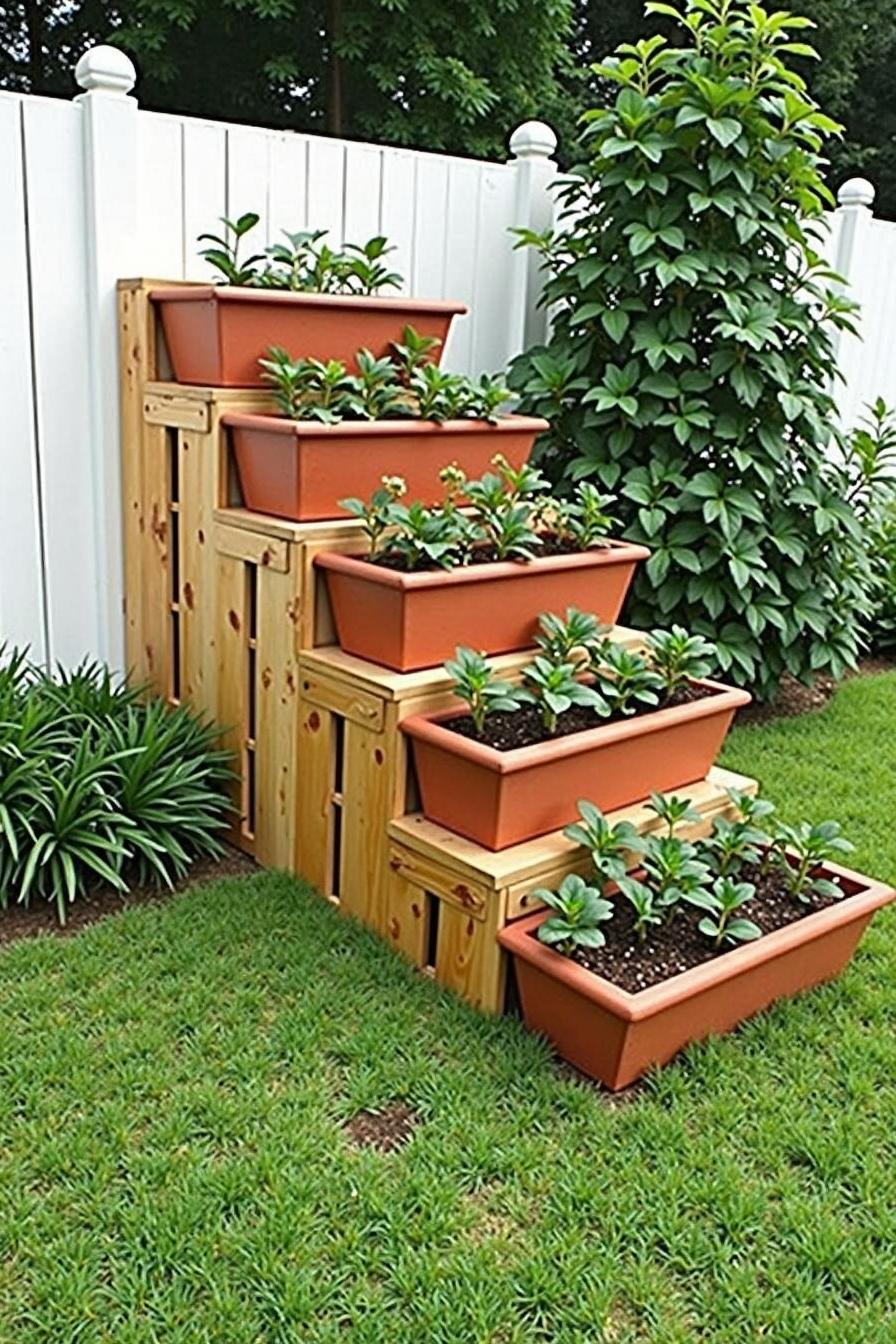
x=409 y=621
x=216 y=334
x=500 y=798
x=615 y=1036
x=300 y=469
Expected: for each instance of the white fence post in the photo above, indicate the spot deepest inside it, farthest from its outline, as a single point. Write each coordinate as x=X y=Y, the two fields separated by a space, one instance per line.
x=532 y=147
x=107 y=76
x=854 y=218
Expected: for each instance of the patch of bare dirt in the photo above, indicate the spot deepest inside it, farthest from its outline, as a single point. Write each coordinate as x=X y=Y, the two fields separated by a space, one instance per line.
x=385 y=1129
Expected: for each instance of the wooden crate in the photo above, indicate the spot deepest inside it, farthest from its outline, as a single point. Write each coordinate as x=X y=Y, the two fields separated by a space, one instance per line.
x=448 y=897
x=219 y=600
x=355 y=774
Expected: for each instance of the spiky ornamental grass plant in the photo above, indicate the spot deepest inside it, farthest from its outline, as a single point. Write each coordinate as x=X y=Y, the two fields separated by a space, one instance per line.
x=692 y=352
x=98 y=787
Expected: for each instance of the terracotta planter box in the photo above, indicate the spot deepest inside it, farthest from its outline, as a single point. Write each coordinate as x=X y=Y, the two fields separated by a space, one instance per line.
x=615 y=1036
x=409 y=621
x=500 y=798
x=216 y=333
x=300 y=469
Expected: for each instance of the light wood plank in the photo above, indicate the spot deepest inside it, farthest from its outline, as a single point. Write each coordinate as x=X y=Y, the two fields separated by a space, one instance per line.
x=278 y=762
x=249 y=546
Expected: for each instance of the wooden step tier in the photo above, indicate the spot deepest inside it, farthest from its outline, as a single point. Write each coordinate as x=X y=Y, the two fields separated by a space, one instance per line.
x=447 y=897
x=355 y=774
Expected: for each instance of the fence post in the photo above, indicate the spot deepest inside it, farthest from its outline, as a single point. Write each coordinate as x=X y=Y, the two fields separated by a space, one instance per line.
x=532 y=147
x=854 y=217
x=107 y=76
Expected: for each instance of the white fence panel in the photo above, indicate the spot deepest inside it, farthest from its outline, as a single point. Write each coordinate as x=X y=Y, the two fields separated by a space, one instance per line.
x=22 y=616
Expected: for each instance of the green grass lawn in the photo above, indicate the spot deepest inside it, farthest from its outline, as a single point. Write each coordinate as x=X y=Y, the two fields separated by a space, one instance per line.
x=173 y=1167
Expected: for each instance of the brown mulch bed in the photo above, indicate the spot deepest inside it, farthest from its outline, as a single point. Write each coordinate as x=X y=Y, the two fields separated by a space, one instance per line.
x=383 y=1130
x=18 y=922
x=679 y=945
x=794 y=699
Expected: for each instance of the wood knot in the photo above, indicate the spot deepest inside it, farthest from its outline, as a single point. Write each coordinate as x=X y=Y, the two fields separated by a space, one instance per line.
x=394 y=928
x=201 y=535
x=465 y=896
x=234 y=619
x=265 y=556
x=378 y=756
x=314 y=720
x=267 y=677
x=188 y=595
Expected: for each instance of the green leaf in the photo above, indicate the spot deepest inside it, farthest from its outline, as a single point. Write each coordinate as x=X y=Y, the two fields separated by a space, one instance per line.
x=724 y=129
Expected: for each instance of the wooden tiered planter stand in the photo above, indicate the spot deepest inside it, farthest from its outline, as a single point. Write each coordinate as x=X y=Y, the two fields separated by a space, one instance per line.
x=225 y=610
x=448 y=897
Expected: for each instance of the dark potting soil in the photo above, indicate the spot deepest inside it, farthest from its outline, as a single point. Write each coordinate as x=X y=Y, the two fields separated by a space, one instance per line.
x=523 y=727
x=679 y=945
x=481 y=555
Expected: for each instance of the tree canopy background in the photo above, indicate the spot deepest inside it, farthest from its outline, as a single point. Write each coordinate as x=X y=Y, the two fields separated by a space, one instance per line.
x=453 y=75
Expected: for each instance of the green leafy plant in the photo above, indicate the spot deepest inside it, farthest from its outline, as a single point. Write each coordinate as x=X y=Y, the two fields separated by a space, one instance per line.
x=378 y=514
x=609 y=846
x=224 y=251
x=304 y=263
x=625 y=680
x=671 y=810
x=735 y=843
x=477 y=685
x=576 y=637
x=870 y=463
x=722 y=923
x=678 y=657
x=645 y=903
x=673 y=870
x=407 y=386
x=811 y=847
x=424 y=538
x=413 y=351
x=579 y=912
x=692 y=355
x=554 y=688
x=97 y=786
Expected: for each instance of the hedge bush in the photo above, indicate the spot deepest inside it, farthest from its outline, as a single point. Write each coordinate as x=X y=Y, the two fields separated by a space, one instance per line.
x=97 y=786
x=692 y=353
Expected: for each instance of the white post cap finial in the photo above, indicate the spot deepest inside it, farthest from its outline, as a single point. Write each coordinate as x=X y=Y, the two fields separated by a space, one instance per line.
x=857 y=191
x=533 y=140
x=107 y=69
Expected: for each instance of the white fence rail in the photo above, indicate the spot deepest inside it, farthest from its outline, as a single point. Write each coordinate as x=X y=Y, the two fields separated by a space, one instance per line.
x=95 y=189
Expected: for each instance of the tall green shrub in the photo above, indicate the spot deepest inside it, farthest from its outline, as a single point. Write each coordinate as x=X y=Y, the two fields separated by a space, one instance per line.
x=692 y=354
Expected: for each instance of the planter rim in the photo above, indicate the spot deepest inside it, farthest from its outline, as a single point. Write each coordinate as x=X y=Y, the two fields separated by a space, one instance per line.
x=187 y=293
x=516 y=938
x=428 y=728
x=615 y=552
x=311 y=429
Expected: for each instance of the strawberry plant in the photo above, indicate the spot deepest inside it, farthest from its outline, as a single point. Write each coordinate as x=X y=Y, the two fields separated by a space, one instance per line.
x=692 y=349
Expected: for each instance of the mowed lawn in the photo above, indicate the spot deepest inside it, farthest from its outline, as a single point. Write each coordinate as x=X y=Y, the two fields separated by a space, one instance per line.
x=174 y=1169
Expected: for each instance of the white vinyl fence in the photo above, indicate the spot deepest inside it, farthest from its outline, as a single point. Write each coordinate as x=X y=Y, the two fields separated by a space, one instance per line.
x=95 y=189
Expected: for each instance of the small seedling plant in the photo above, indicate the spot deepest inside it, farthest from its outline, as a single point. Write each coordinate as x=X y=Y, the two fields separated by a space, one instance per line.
x=400 y=386
x=673 y=874
x=579 y=911
x=508 y=514
x=476 y=683
x=304 y=263
x=578 y=665
x=554 y=688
